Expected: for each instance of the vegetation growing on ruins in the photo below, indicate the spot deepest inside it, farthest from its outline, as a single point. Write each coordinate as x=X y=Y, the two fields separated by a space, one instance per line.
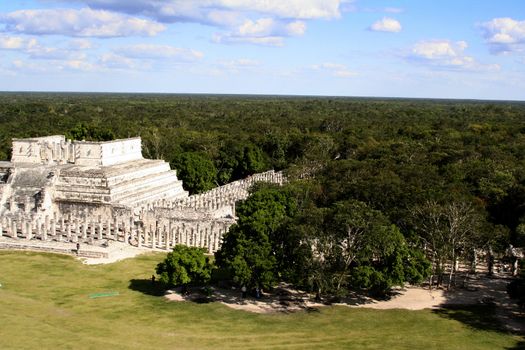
x=399 y=163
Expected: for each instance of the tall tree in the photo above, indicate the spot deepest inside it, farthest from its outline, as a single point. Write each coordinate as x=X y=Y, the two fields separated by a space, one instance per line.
x=247 y=252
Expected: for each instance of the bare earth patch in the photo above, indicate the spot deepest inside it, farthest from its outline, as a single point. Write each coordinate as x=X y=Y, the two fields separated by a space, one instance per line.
x=478 y=290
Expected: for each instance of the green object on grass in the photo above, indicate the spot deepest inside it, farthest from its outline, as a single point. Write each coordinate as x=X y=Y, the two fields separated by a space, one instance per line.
x=103 y=294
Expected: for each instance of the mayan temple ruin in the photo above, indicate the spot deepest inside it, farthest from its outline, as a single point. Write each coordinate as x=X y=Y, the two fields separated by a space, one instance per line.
x=58 y=190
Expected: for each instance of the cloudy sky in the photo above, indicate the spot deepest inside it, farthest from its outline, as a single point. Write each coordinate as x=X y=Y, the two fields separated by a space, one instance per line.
x=392 y=48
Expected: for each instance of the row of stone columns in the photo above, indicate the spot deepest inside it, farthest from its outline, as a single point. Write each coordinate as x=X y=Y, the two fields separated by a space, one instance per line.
x=70 y=230
x=151 y=234
x=166 y=236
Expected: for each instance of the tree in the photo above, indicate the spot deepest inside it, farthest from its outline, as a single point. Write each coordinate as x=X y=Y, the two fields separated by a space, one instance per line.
x=448 y=230
x=90 y=132
x=371 y=253
x=351 y=245
x=247 y=251
x=185 y=265
x=197 y=171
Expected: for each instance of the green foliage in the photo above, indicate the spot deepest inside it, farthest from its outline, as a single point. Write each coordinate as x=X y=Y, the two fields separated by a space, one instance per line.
x=238 y=159
x=90 y=132
x=247 y=251
x=185 y=265
x=197 y=172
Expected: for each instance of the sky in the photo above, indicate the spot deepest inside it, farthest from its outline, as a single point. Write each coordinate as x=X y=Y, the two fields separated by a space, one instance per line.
x=381 y=48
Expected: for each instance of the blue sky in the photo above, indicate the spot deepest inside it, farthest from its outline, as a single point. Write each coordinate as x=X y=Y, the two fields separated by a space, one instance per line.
x=389 y=48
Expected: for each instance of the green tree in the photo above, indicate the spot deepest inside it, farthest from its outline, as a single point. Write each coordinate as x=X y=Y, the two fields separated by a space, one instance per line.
x=196 y=170
x=185 y=265
x=247 y=251
x=83 y=131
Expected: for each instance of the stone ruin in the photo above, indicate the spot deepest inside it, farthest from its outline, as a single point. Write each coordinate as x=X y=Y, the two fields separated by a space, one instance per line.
x=60 y=190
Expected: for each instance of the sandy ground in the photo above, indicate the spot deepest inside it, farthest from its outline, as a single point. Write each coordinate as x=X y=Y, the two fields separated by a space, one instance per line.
x=116 y=251
x=476 y=290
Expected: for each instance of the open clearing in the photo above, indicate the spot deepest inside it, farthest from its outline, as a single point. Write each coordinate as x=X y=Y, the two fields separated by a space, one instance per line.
x=45 y=303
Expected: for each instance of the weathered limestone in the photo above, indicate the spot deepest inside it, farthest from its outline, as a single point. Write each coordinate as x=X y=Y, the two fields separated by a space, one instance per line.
x=96 y=192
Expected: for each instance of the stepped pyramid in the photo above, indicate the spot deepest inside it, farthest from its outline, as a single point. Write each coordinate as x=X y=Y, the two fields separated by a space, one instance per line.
x=47 y=173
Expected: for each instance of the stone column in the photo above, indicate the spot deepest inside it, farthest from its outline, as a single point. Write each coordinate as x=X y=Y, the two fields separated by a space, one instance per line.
x=29 y=230
x=167 y=237
x=100 y=228
x=54 y=228
x=23 y=226
x=84 y=229
x=46 y=228
x=62 y=226
x=152 y=235
x=38 y=228
x=68 y=231
x=93 y=230
x=27 y=205
x=108 y=229
x=139 y=238
x=116 y=228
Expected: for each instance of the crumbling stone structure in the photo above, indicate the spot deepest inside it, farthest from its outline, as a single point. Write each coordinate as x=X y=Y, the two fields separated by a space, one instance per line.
x=96 y=192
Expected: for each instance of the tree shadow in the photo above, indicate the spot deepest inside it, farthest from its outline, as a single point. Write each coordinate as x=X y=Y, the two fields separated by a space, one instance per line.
x=482 y=303
x=519 y=346
x=479 y=317
x=146 y=286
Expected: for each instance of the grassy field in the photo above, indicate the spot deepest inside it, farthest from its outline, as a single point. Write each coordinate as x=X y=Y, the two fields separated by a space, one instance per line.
x=45 y=303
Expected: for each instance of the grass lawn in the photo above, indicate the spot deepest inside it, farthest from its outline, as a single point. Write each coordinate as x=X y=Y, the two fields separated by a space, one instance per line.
x=45 y=304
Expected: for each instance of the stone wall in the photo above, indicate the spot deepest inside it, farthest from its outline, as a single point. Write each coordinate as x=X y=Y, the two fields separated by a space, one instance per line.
x=57 y=150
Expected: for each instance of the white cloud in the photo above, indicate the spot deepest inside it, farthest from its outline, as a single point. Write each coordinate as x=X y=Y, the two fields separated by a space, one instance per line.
x=35 y=50
x=504 y=35
x=386 y=24
x=53 y=53
x=299 y=9
x=296 y=28
x=80 y=44
x=198 y=11
x=233 y=39
x=146 y=56
x=80 y=23
x=16 y=43
x=54 y=66
x=115 y=61
x=150 y=51
x=445 y=54
x=263 y=31
x=237 y=64
x=335 y=69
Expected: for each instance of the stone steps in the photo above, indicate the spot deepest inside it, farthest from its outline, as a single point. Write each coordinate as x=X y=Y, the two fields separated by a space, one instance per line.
x=136 y=185
x=135 y=170
x=169 y=190
x=35 y=247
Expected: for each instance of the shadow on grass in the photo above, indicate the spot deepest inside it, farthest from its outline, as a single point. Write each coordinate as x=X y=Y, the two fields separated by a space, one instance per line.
x=147 y=287
x=480 y=317
x=519 y=346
